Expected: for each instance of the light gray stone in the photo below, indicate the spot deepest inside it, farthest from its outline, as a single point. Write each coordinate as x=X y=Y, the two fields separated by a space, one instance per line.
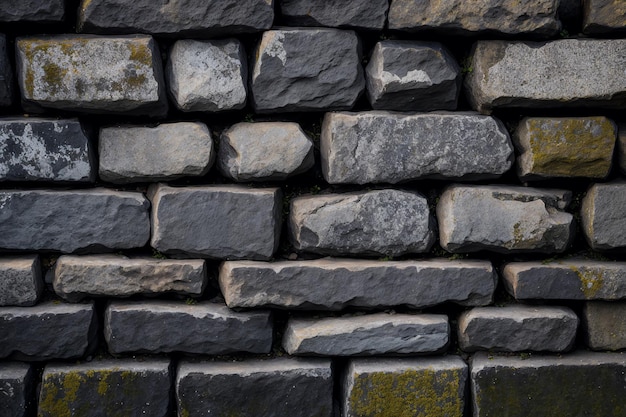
x=561 y=73
x=20 y=280
x=165 y=152
x=381 y=222
x=307 y=70
x=264 y=151
x=41 y=11
x=358 y=14
x=504 y=219
x=372 y=334
x=384 y=147
x=16 y=386
x=604 y=17
x=69 y=221
x=334 y=284
x=605 y=324
x=603 y=215
x=6 y=73
x=224 y=222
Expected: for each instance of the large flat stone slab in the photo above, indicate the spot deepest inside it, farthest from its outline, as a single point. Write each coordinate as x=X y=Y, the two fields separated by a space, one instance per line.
x=17 y=381
x=6 y=74
x=20 y=280
x=603 y=215
x=41 y=11
x=605 y=324
x=357 y=14
x=602 y=17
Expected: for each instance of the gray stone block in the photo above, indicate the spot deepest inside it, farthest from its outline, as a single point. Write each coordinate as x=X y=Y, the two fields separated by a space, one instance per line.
x=165 y=152
x=69 y=221
x=358 y=14
x=603 y=215
x=20 y=280
x=274 y=387
x=372 y=334
x=604 y=17
x=384 y=147
x=334 y=284
x=224 y=222
x=381 y=222
x=504 y=219
x=171 y=326
x=34 y=149
x=6 y=72
x=41 y=11
x=16 y=384
x=411 y=75
x=605 y=324
x=307 y=70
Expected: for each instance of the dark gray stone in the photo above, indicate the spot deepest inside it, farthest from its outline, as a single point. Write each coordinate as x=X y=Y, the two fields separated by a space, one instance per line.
x=307 y=70
x=602 y=17
x=16 y=386
x=20 y=280
x=6 y=73
x=41 y=11
x=603 y=215
x=621 y=147
x=605 y=324
x=357 y=14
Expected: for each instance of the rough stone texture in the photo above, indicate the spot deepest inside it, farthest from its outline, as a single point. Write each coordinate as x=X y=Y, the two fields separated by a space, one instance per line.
x=384 y=147
x=508 y=17
x=225 y=222
x=307 y=70
x=68 y=221
x=20 y=280
x=16 y=383
x=516 y=328
x=504 y=219
x=274 y=387
x=411 y=75
x=404 y=387
x=207 y=75
x=6 y=73
x=47 y=331
x=204 y=18
x=77 y=277
x=381 y=222
x=582 y=383
x=34 y=149
x=165 y=152
x=333 y=284
x=83 y=73
x=358 y=14
x=563 y=73
x=42 y=11
x=603 y=215
x=605 y=324
x=372 y=334
x=122 y=387
x=264 y=151
x=170 y=326
x=604 y=17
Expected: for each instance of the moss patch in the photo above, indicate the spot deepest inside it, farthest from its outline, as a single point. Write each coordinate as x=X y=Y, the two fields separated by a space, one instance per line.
x=591 y=281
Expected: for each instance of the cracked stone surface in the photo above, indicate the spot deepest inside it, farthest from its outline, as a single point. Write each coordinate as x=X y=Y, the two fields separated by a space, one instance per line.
x=20 y=280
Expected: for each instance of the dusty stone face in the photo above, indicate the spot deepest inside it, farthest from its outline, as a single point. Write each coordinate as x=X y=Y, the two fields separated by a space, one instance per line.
x=42 y=11
x=604 y=16
x=6 y=75
x=358 y=14
x=603 y=215
x=605 y=324
x=20 y=280
x=17 y=380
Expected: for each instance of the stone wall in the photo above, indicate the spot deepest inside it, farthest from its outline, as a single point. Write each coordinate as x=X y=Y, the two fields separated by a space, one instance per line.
x=312 y=208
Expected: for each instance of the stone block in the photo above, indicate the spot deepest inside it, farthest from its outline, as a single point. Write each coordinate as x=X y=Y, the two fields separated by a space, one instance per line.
x=307 y=70
x=605 y=324
x=334 y=284
x=264 y=151
x=171 y=326
x=357 y=14
x=224 y=222
x=504 y=219
x=412 y=75
x=124 y=387
x=274 y=387
x=6 y=72
x=68 y=221
x=20 y=280
x=165 y=152
x=404 y=387
x=517 y=328
x=384 y=147
x=621 y=147
x=559 y=74
x=35 y=149
x=41 y=11
x=371 y=334
x=92 y=74
x=207 y=75
x=602 y=17
x=16 y=386
x=603 y=215
x=381 y=222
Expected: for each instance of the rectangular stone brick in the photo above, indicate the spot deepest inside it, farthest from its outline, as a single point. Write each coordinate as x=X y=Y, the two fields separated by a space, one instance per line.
x=602 y=17
x=605 y=324
x=42 y=11
x=6 y=73
x=21 y=283
x=17 y=381
x=603 y=215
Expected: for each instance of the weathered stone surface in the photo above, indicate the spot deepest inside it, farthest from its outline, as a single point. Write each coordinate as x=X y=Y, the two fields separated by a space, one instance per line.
x=507 y=17
x=605 y=324
x=47 y=331
x=358 y=14
x=603 y=215
x=334 y=284
x=170 y=326
x=264 y=151
x=562 y=73
x=307 y=70
x=207 y=75
x=381 y=222
x=42 y=11
x=165 y=152
x=83 y=73
x=225 y=222
x=77 y=277
x=372 y=334
x=384 y=147
x=564 y=147
x=122 y=387
x=504 y=219
x=20 y=280
x=16 y=383
x=404 y=387
x=34 y=149
x=411 y=75
x=604 y=16
x=581 y=383
x=516 y=328
x=275 y=387
x=68 y=221
x=176 y=17
x=6 y=73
